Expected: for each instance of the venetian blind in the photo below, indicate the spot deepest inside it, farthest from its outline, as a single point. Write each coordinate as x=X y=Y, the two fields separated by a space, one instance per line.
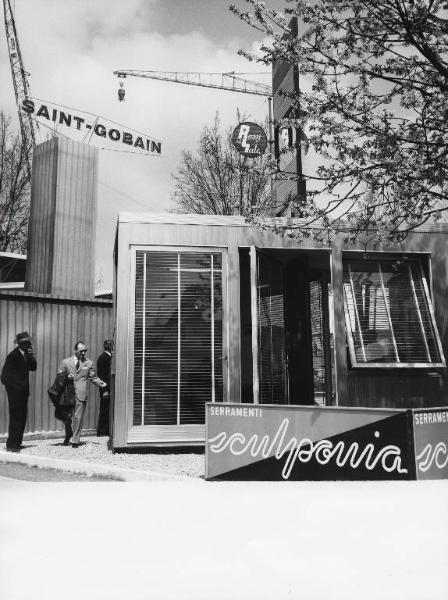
x=389 y=316
x=271 y=333
x=177 y=336
x=317 y=341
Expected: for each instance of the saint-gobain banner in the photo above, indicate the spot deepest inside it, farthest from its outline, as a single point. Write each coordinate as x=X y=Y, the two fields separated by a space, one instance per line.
x=431 y=443
x=81 y=126
x=266 y=442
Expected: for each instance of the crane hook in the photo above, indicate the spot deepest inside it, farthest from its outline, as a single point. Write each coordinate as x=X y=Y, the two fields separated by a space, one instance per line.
x=121 y=92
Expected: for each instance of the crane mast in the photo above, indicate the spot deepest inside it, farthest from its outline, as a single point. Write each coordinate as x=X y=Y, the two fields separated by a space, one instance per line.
x=220 y=81
x=19 y=78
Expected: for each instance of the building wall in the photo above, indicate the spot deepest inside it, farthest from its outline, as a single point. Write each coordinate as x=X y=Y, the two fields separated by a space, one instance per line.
x=55 y=324
x=61 y=240
x=354 y=387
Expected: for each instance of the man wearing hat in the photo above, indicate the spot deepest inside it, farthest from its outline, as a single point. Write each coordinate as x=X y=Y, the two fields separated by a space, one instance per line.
x=15 y=377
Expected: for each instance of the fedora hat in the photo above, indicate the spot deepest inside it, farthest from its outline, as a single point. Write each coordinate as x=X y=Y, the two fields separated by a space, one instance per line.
x=22 y=337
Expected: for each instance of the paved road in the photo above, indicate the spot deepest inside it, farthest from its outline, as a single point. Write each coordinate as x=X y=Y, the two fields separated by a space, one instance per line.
x=15 y=471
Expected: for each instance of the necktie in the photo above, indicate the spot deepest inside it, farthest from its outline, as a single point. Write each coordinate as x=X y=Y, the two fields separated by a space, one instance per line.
x=77 y=365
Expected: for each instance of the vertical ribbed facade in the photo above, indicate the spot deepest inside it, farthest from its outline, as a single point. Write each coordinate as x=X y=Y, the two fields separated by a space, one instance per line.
x=55 y=324
x=63 y=219
x=40 y=230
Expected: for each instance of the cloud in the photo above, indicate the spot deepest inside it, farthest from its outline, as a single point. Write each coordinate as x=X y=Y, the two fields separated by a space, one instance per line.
x=71 y=49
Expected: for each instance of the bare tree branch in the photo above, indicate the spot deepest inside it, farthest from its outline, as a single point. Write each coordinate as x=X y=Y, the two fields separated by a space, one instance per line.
x=14 y=189
x=218 y=180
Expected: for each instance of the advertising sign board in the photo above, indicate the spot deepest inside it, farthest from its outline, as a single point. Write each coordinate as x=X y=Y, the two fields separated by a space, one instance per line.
x=83 y=125
x=267 y=442
x=431 y=443
x=249 y=139
x=288 y=137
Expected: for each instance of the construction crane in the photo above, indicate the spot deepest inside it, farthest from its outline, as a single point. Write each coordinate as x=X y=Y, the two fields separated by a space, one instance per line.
x=230 y=82
x=221 y=81
x=28 y=127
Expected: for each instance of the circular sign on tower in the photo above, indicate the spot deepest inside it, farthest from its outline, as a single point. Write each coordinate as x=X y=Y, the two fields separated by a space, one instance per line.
x=249 y=139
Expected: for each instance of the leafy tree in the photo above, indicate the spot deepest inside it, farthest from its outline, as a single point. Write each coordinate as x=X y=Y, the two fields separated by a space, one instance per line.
x=14 y=189
x=218 y=180
x=374 y=106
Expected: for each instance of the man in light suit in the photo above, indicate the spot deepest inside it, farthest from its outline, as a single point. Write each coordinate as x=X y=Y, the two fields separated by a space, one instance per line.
x=80 y=370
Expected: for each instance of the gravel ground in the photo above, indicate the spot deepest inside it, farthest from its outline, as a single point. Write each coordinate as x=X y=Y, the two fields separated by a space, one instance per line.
x=94 y=450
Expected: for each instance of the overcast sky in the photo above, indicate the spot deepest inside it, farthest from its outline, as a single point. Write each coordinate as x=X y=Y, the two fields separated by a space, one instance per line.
x=72 y=47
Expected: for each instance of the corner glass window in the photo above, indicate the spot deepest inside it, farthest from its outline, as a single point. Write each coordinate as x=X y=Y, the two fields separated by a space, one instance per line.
x=389 y=315
x=177 y=336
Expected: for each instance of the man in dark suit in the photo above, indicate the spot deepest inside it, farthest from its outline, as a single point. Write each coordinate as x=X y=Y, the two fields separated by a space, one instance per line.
x=103 y=369
x=15 y=377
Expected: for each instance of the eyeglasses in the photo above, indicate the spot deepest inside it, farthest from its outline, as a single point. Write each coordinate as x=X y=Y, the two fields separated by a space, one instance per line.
x=82 y=351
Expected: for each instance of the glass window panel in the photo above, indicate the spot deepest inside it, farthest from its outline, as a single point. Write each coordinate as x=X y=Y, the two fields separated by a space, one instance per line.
x=389 y=313
x=317 y=340
x=178 y=336
x=138 y=337
x=271 y=332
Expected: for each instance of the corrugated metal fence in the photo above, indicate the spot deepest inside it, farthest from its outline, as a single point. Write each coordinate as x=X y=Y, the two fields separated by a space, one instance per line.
x=55 y=324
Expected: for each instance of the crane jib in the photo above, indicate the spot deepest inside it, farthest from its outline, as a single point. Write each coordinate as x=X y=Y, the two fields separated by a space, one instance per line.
x=68 y=119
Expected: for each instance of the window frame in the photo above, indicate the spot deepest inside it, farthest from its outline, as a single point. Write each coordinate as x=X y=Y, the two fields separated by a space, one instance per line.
x=183 y=429
x=424 y=269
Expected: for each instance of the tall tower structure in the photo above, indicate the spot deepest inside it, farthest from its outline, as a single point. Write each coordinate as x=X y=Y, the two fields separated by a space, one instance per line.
x=61 y=235
x=285 y=81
